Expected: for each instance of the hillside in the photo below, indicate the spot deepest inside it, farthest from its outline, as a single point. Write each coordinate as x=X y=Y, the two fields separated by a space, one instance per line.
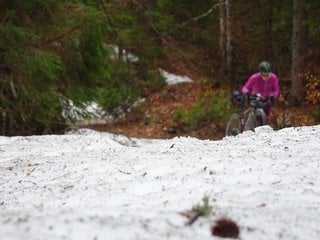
x=153 y=118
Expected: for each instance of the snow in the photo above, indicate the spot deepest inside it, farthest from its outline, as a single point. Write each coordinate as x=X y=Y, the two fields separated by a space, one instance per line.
x=92 y=185
x=88 y=113
x=124 y=55
x=174 y=79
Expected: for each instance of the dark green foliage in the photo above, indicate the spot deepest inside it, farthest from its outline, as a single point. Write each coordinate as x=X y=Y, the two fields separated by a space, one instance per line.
x=50 y=49
x=89 y=70
x=316 y=115
x=119 y=93
x=190 y=118
x=29 y=102
x=207 y=108
x=132 y=30
x=47 y=51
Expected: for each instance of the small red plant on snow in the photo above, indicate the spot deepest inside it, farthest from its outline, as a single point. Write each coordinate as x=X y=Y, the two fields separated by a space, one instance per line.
x=225 y=228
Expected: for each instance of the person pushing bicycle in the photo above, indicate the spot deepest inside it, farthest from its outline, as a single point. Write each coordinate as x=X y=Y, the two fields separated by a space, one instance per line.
x=264 y=83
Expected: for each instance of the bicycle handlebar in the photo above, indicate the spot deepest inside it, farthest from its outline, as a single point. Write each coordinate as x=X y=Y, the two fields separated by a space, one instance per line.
x=239 y=100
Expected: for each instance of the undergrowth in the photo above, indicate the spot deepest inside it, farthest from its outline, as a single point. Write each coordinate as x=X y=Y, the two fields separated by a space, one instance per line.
x=208 y=107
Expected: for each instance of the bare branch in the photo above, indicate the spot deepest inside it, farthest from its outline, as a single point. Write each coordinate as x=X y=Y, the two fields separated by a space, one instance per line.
x=196 y=18
x=201 y=16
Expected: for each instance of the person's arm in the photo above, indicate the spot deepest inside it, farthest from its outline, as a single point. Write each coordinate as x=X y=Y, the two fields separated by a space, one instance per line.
x=275 y=87
x=248 y=85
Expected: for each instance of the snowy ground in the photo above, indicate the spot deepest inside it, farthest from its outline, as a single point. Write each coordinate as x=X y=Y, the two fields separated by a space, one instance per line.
x=90 y=185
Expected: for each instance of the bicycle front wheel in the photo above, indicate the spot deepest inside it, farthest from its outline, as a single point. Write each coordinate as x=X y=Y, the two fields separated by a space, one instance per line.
x=234 y=125
x=250 y=123
x=255 y=119
x=260 y=117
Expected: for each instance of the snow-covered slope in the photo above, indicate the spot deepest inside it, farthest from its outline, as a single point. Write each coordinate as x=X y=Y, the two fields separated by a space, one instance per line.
x=90 y=185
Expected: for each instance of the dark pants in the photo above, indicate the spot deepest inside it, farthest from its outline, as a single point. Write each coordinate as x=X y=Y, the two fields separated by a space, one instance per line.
x=267 y=110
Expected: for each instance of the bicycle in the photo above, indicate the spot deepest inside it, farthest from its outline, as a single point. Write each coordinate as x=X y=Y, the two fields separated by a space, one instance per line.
x=250 y=115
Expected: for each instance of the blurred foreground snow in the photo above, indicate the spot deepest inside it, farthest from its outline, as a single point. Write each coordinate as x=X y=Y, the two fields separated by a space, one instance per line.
x=92 y=185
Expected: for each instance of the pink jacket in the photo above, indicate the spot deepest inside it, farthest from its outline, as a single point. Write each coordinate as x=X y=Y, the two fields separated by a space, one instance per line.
x=256 y=84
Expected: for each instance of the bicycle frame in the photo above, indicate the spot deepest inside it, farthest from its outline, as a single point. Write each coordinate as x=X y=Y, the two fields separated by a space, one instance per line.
x=244 y=116
x=255 y=117
x=250 y=116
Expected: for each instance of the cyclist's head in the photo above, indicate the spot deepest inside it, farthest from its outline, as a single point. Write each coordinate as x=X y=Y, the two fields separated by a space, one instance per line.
x=265 y=69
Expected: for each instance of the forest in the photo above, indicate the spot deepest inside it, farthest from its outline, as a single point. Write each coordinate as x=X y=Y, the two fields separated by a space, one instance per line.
x=59 y=53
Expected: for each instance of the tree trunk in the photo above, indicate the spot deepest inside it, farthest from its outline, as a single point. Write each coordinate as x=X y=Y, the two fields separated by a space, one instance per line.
x=296 y=90
x=229 y=41
x=222 y=38
x=269 y=35
x=225 y=40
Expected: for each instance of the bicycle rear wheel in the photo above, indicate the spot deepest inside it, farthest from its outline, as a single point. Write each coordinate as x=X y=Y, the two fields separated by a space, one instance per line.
x=234 y=125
